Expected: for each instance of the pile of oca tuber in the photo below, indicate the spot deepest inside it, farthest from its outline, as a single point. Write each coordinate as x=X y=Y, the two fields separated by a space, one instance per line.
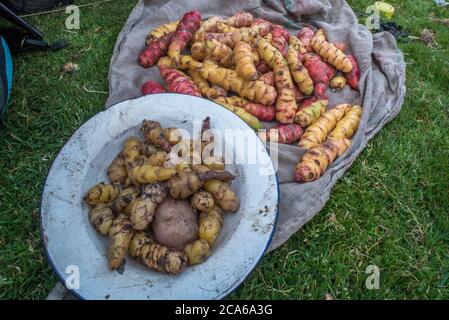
x=166 y=213
x=257 y=70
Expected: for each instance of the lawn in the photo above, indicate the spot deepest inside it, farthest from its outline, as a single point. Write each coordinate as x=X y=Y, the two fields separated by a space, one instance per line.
x=389 y=210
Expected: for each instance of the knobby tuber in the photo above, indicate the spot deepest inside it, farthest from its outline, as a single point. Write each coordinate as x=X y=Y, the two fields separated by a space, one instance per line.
x=210 y=224
x=155 y=49
x=120 y=233
x=317 y=132
x=337 y=83
x=330 y=53
x=178 y=82
x=156 y=256
x=244 y=62
x=348 y=125
x=315 y=162
x=299 y=72
x=101 y=193
x=197 y=251
x=185 y=30
x=101 y=217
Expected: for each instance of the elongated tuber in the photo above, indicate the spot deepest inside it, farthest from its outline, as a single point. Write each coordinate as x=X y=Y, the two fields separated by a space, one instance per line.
x=101 y=217
x=121 y=233
x=319 y=71
x=233 y=100
x=286 y=101
x=231 y=38
x=162 y=30
x=260 y=111
x=151 y=87
x=155 y=49
x=317 y=132
x=156 y=256
x=244 y=64
x=101 y=193
x=280 y=39
x=178 y=82
x=251 y=120
x=348 y=125
x=283 y=133
x=210 y=92
x=315 y=162
x=353 y=76
x=299 y=72
x=163 y=259
x=330 y=53
x=185 y=30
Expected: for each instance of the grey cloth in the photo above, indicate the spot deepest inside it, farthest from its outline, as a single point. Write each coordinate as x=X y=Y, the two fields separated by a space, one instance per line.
x=381 y=89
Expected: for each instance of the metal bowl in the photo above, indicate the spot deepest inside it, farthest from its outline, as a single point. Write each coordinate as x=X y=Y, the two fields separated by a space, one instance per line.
x=77 y=252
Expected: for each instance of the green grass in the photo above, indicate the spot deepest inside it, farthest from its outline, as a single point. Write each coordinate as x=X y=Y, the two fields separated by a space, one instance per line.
x=390 y=209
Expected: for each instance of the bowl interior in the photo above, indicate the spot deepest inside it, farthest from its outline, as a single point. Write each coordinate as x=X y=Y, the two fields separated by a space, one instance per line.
x=70 y=240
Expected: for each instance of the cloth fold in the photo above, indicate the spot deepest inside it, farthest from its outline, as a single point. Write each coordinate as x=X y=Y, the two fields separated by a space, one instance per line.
x=381 y=92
